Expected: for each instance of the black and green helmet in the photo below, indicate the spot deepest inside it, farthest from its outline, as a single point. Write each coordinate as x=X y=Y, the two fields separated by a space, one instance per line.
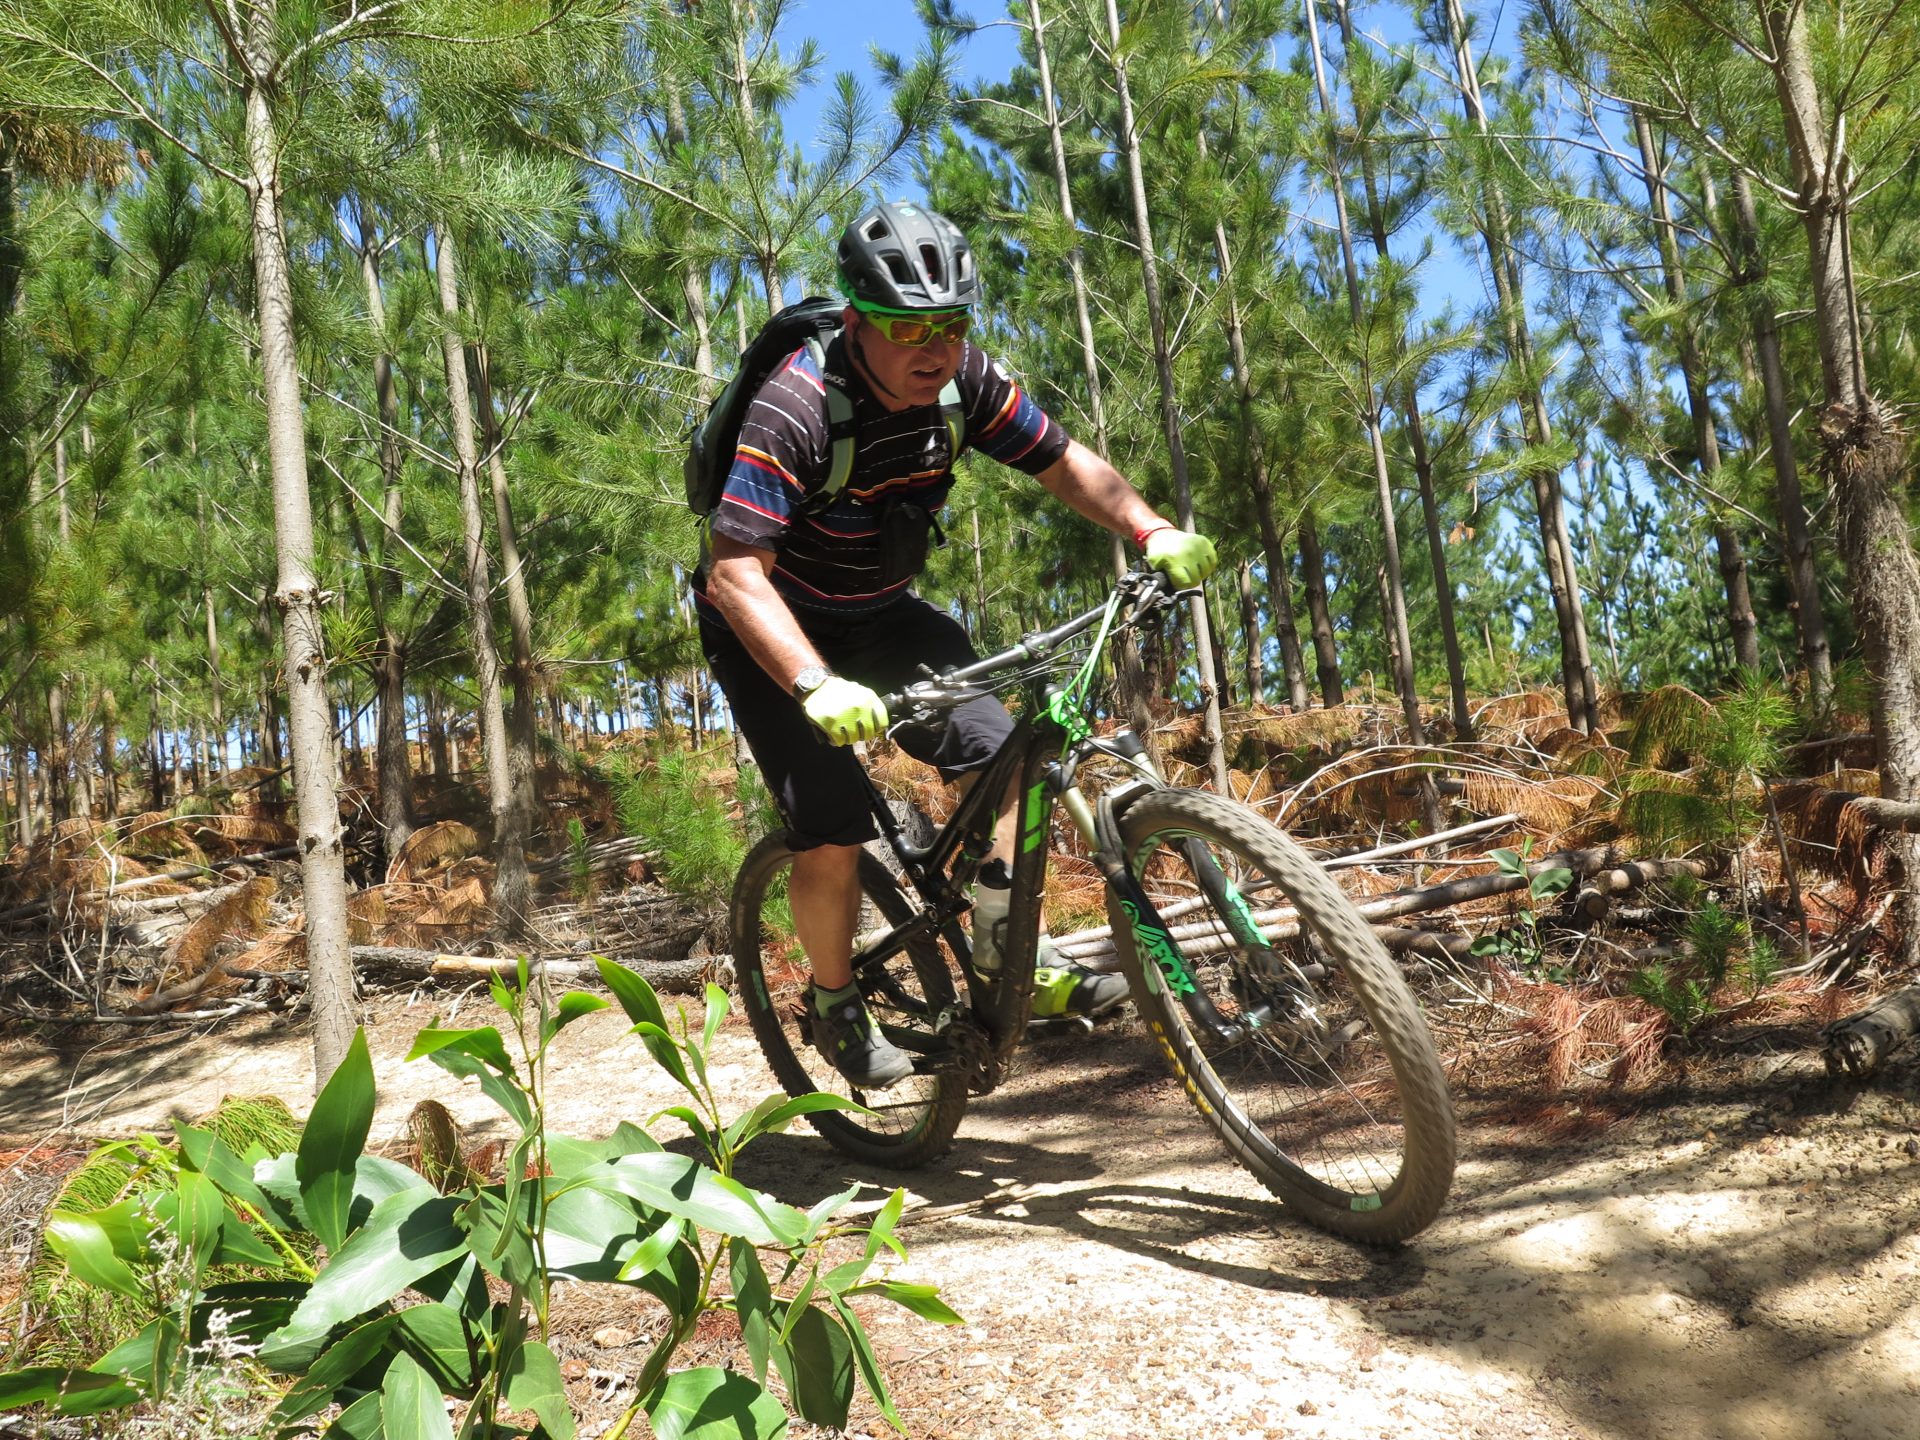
x=903 y=257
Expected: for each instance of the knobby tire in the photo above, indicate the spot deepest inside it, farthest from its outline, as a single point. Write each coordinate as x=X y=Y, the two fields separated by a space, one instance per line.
x=914 y=1121
x=1337 y=1102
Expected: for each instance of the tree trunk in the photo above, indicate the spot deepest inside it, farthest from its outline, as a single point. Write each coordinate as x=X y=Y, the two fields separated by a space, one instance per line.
x=389 y=664
x=512 y=890
x=1250 y=634
x=1809 y=616
x=297 y=590
x=54 y=759
x=522 y=727
x=1563 y=578
x=109 y=753
x=1693 y=373
x=1417 y=443
x=1129 y=673
x=1169 y=397
x=1313 y=576
x=1863 y=447
x=1394 y=594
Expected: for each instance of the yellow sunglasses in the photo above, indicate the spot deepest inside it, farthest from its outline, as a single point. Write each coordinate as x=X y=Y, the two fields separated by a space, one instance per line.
x=914 y=331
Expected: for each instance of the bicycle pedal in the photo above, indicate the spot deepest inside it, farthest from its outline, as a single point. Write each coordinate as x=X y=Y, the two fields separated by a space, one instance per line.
x=1041 y=1027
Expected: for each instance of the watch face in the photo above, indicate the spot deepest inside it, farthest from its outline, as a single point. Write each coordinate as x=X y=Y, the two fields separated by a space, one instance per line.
x=809 y=680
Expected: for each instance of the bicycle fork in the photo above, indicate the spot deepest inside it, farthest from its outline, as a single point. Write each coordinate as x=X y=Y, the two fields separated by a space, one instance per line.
x=1099 y=822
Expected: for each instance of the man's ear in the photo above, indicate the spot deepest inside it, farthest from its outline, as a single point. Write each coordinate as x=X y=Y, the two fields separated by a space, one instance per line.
x=849 y=318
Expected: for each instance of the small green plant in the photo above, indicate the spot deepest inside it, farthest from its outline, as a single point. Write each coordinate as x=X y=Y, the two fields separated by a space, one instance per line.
x=665 y=799
x=425 y=1295
x=1687 y=1002
x=1521 y=942
x=579 y=861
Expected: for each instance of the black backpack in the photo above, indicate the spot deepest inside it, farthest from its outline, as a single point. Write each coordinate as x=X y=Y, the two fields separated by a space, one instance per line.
x=814 y=323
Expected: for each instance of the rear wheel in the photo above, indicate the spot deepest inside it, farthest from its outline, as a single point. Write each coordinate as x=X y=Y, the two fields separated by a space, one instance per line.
x=1330 y=1093
x=914 y=1121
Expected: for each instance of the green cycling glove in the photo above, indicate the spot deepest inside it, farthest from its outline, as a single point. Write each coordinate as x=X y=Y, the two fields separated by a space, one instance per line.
x=1182 y=556
x=846 y=711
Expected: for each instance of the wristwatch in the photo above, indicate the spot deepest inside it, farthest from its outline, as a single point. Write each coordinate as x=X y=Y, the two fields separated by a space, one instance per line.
x=810 y=680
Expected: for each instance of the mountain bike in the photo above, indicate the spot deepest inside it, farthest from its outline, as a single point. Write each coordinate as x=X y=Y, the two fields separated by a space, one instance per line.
x=1291 y=1028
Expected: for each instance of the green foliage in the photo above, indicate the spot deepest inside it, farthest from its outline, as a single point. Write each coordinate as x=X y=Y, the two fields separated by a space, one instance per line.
x=621 y=1210
x=579 y=862
x=1687 y=1002
x=1701 y=767
x=667 y=799
x=1521 y=942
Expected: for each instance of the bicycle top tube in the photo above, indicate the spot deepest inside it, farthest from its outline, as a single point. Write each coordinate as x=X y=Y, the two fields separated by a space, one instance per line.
x=1148 y=587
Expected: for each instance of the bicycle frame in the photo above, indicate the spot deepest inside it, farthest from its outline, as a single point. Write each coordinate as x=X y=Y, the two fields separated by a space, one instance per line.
x=1050 y=740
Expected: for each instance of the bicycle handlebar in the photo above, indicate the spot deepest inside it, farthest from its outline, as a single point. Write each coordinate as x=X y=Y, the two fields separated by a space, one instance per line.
x=1149 y=590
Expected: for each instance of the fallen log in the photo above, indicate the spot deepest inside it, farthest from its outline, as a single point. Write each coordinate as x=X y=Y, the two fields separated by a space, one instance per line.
x=1283 y=922
x=682 y=974
x=1595 y=896
x=184 y=872
x=1857 y=1044
x=1419 y=842
x=1886 y=814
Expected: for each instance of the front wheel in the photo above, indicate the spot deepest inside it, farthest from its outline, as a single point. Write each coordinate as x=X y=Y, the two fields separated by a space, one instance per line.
x=912 y=1122
x=1322 y=1078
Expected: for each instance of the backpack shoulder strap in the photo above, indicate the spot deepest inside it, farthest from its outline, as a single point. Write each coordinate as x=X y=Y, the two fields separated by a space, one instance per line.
x=841 y=428
x=954 y=412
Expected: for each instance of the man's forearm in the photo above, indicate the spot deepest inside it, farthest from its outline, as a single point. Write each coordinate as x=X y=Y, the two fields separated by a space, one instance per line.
x=1093 y=488
x=745 y=597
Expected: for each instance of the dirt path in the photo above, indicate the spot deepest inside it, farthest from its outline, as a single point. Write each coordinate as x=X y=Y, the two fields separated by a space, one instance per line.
x=1740 y=1263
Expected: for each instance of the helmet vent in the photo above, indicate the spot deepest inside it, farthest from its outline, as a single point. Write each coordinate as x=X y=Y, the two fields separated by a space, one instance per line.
x=962 y=267
x=877 y=229
x=897 y=267
x=930 y=259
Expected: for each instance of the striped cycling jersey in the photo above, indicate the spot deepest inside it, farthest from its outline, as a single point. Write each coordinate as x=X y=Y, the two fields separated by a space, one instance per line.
x=830 y=561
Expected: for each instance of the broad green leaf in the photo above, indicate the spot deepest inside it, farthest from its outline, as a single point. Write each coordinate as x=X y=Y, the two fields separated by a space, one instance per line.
x=822 y=1369
x=410 y=1404
x=841 y=1277
x=591 y=1235
x=374 y=1178
x=1508 y=862
x=716 y=1012
x=449 y=1346
x=922 y=1300
x=775 y=1113
x=499 y=1228
x=213 y=1157
x=654 y=1250
x=48 y=1384
x=330 y=1146
x=572 y=1006
x=238 y=1245
x=482 y=1042
x=145 y=1362
x=826 y=1209
x=881 y=1231
x=642 y=1007
x=636 y=996
x=1550 y=882
x=753 y=1298
x=690 y=1118
x=798 y=1306
x=534 y=1383
x=343 y=1360
x=714 y=1404
x=359 y=1421
x=87 y=1247
x=496 y=1083
x=199 y=1219
x=254 y=1309
x=567 y=1157
x=406 y=1237
x=869 y=1364
x=683 y=1187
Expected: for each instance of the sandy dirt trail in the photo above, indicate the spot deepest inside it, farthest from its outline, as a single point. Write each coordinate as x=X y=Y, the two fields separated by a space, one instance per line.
x=1738 y=1263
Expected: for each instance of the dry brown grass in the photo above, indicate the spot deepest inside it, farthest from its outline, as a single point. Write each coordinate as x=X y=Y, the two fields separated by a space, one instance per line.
x=432 y=847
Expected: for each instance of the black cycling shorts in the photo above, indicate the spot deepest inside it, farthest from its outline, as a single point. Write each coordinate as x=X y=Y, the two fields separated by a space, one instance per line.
x=816 y=784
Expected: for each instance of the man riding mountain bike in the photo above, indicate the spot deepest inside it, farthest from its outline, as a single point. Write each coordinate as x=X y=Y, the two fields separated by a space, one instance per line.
x=805 y=592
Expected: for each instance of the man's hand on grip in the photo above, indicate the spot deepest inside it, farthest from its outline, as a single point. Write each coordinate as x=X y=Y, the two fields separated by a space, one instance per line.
x=846 y=711
x=1182 y=556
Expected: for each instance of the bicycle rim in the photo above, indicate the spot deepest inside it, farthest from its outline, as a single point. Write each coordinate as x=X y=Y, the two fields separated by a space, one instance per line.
x=912 y=1122
x=1332 y=1096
